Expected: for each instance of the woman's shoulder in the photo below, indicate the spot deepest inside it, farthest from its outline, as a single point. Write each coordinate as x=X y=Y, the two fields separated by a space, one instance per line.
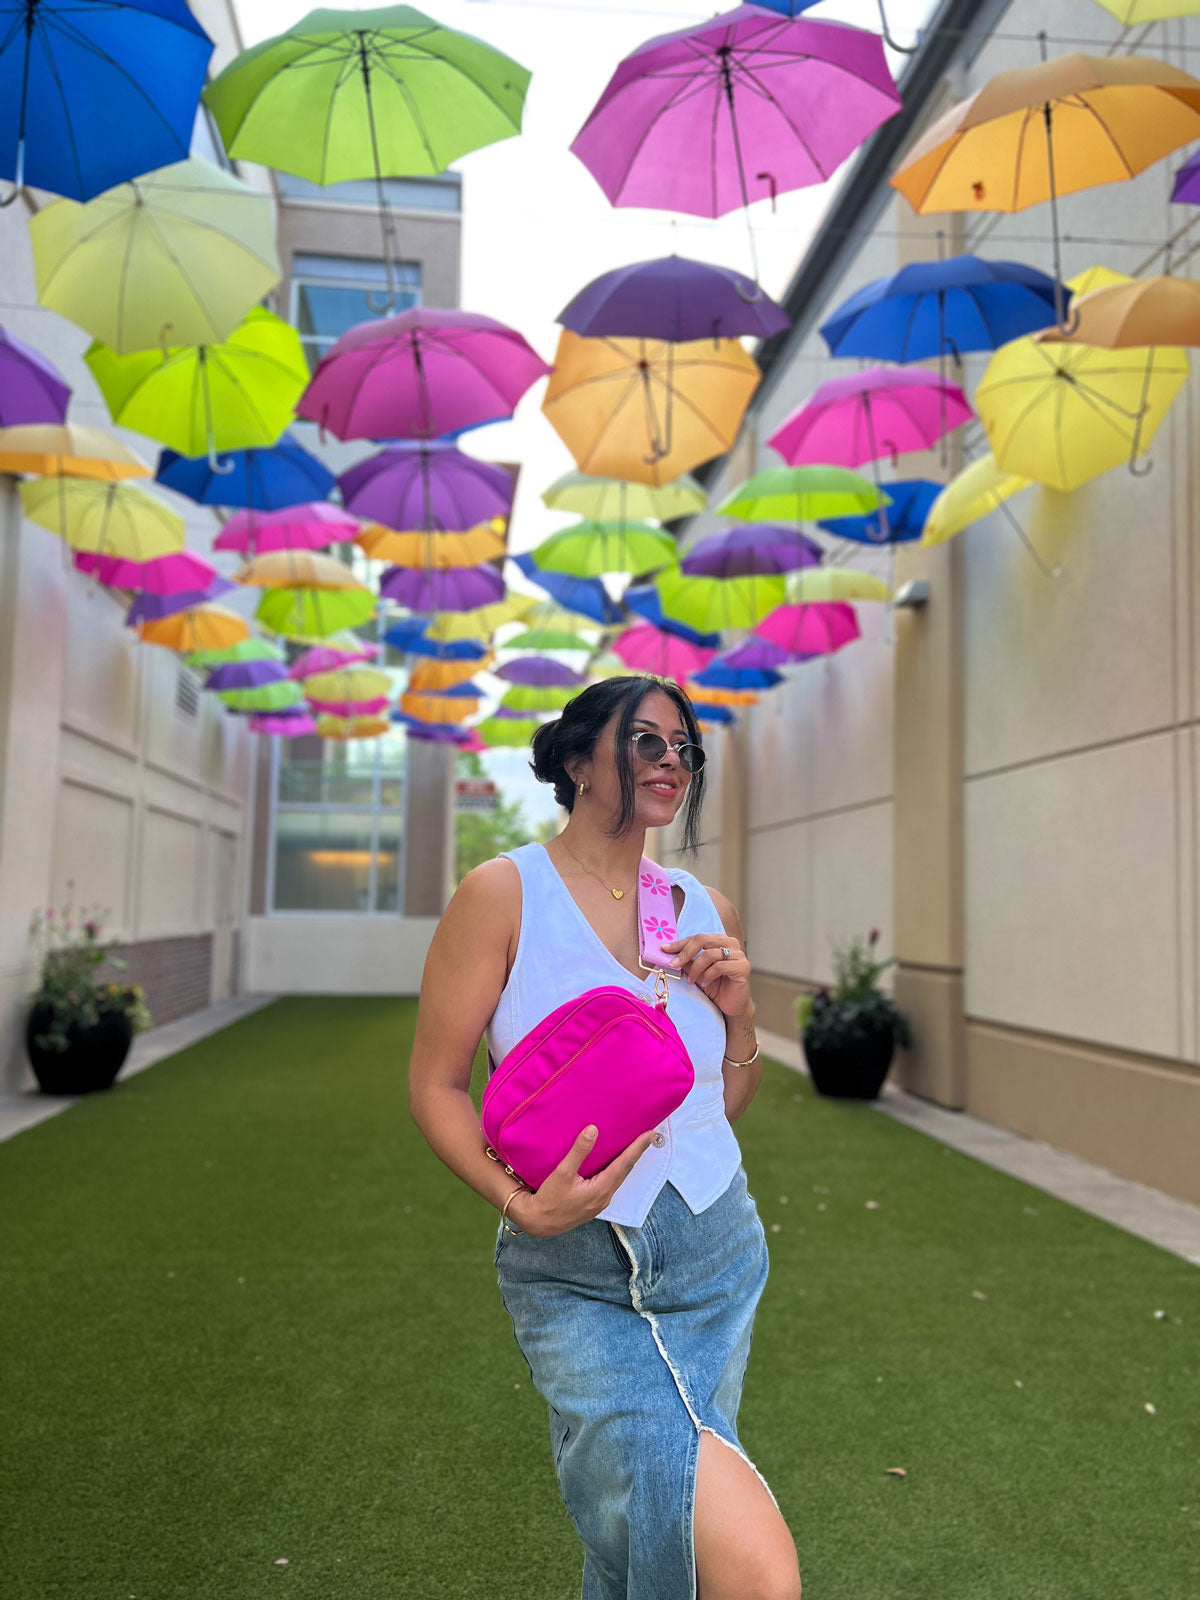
x=491 y=889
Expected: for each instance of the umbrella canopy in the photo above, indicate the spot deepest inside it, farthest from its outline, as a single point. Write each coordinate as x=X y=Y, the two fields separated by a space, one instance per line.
x=722 y=673
x=348 y=683
x=1160 y=310
x=32 y=389
x=432 y=549
x=674 y=298
x=149 y=607
x=586 y=596
x=976 y=492
x=548 y=638
x=752 y=655
x=536 y=697
x=201 y=629
x=163 y=575
x=802 y=494
x=430 y=676
x=312 y=613
x=1133 y=13
x=351 y=708
x=442 y=589
x=178 y=257
x=648 y=409
x=246 y=647
x=327 y=658
x=289 y=723
x=443 y=708
x=201 y=398
x=265 y=478
x=909 y=501
x=264 y=697
x=644 y=601
x=499 y=731
x=481 y=621
x=540 y=672
x=410 y=636
x=645 y=648
x=806 y=630
x=717 y=716
x=420 y=374
x=867 y=415
x=245 y=675
x=302 y=527
x=837 y=583
x=1064 y=413
x=110 y=519
x=711 y=604
x=752 y=550
x=51 y=450
x=615 y=499
x=423 y=484
x=95 y=94
x=1187 y=183
x=714 y=116
x=290 y=569
x=589 y=549
x=941 y=308
x=333 y=727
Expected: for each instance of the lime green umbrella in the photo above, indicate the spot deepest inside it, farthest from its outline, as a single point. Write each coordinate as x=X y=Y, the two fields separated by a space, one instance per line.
x=110 y=519
x=199 y=399
x=710 y=604
x=615 y=499
x=532 y=697
x=251 y=649
x=547 y=639
x=176 y=257
x=507 y=730
x=264 y=697
x=803 y=494
x=302 y=613
x=589 y=549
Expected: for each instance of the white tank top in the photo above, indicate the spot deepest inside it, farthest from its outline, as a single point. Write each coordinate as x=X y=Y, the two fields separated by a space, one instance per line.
x=559 y=955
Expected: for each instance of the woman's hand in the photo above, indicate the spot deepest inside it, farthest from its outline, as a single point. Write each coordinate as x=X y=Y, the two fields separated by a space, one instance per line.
x=564 y=1199
x=726 y=981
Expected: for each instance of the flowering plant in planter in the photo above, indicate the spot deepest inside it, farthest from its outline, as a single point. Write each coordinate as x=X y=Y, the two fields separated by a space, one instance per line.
x=70 y=998
x=851 y=1030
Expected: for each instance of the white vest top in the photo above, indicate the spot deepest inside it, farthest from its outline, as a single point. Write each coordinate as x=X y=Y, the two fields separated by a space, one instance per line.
x=559 y=955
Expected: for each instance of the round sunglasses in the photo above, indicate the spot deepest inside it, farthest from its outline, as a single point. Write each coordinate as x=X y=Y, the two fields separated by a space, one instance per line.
x=653 y=747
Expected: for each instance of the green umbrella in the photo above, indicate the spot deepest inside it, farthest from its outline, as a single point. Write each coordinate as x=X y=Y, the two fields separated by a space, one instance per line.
x=244 y=650
x=303 y=612
x=547 y=639
x=589 y=549
x=803 y=494
x=710 y=604
x=531 y=697
x=265 y=697
x=203 y=398
x=507 y=730
x=614 y=499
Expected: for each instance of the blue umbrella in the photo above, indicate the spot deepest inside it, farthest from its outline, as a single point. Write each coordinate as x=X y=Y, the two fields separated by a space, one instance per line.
x=721 y=673
x=644 y=599
x=587 y=596
x=282 y=474
x=409 y=635
x=710 y=713
x=92 y=94
x=911 y=499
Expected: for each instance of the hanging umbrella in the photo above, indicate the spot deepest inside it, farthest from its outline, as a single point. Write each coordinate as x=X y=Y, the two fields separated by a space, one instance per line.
x=976 y=492
x=1135 y=13
x=870 y=414
x=409 y=635
x=712 y=604
x=674 y=298
x=302 y=527
x=354 y=683
x=265 y=697
x=909 y=500
x=1187 y=183
x=111 y=519
x=548 y=638
x=721 y=674
x=539 y=671
x=176 y=257
x=289 y=723
x=536 y=697
x=814 y=629
x=203 y=628
x=420 y=374
x=264 y=479
x=445 y=708
x=245 y=675
x=703 y=696
x=586 y=596
x=245 y=647
x=442 y=588
x=427 y=484
x=467 y=549
x=836 y=583
x=802 y=494
x=328 y=658
x=163 y=575
x=615 y=499
x=150 y=607
x=31 y=388
x=331 y=727
x=481 y=621
x=431 y=676
x=500 y=731
x=644 y=601
x=307 y=593
x=647 y=409
x=52 y=450
x=716 y=716
x=351 y=708
x=589 y=549
x=645 y=648
x=95 y=94
x=203 y=398
x=1034 y=133
x=751 y=551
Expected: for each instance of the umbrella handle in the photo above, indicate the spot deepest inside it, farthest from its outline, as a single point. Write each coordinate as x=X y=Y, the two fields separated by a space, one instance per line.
x=215 y=464
x=9 y=199
x=901 y=49
x=1143 y=471
x=19 y=173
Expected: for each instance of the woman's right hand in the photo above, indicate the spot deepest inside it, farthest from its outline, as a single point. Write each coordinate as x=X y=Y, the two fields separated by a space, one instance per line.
x=565 y=1199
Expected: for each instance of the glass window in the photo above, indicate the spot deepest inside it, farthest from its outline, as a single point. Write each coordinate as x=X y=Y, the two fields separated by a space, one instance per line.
x=323 y=860
x=206 y=141
x=339 y=829
x=330 y=295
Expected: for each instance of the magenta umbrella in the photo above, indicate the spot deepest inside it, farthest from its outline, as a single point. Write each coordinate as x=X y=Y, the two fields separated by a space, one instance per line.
x=176 y=573
x=415 y=486
x=739 y=108
x=882 y=411
x=328 y=658
x=283 y=724
x=424 y=373
x=646 y=648
x=442 y=588
x=303 y=527
x=816 y=628
x=351 y=708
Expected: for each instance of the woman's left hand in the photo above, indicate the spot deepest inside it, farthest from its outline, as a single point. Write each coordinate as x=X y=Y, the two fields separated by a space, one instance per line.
x=724 y=979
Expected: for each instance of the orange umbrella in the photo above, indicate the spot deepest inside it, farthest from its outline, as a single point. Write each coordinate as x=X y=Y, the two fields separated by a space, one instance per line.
x=53 y=450
x=331 y=727
x=198 y=628
x=432 y=673
x=433 y=549
x=1144 y=311
x=438 y=707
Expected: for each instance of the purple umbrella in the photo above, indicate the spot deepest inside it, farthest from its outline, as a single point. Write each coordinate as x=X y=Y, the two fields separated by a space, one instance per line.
x=31 y=390
x=751 y=550
x=244 y=674
x=540 y=672
x=418 y=375
x=442 y=588
x=756 y=655
x=414 y=486
x=1187 y=182
x=286 y=724
x=736 y=109
x=152 y=607
x=675 y=299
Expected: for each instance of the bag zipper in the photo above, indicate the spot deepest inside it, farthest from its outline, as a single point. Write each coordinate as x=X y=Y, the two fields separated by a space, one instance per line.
x=553 y=1078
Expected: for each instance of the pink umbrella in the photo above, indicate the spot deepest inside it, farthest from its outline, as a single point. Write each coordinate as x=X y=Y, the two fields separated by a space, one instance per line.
x=419 y=375
x=884 y=411
x=328 y=658
x=472 y=743
x=816 y=628
x=283 y=724
x=646 y=648
x=351 y=708
x=173 y=574
x=304 y=527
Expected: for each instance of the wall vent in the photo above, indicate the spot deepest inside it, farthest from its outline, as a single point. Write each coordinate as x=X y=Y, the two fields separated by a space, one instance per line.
x=187 y=693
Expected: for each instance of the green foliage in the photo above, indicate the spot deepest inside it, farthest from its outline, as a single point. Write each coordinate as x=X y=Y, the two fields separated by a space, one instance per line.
x=480 y=835
x=854 y=1011
x=71 y=949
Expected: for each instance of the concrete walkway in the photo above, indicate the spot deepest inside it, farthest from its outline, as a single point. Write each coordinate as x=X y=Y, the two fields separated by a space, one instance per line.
x=1171 y=1224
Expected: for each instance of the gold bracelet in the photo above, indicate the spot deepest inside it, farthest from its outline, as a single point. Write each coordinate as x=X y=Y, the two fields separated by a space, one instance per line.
x=749 y=1063
x=504 y=1213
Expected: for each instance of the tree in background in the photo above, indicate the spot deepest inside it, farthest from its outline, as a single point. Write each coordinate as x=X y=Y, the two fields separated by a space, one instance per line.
x=480 y=835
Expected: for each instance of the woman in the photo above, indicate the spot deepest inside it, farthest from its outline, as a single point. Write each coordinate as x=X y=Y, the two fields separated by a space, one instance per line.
x=633 y=1292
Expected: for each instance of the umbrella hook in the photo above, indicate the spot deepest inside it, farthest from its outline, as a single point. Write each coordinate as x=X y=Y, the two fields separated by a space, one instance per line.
x=19 y=171
x=901 y=49
x=9 y=199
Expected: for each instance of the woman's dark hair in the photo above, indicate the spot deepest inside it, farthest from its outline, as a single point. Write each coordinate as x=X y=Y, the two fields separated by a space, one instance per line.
x=583 y=720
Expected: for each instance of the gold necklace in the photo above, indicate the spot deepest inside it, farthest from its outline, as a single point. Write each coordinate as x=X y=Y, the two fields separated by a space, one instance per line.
x=617 y=894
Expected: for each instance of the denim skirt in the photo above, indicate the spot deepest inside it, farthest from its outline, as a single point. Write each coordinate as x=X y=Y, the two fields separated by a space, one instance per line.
x=638 y=1339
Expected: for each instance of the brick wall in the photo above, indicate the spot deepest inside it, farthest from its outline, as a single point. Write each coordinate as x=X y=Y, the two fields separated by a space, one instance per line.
x=175 y=973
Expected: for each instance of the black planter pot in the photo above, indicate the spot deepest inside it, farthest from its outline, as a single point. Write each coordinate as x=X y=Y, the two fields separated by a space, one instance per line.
x=93 y=1056
x=852 y=1071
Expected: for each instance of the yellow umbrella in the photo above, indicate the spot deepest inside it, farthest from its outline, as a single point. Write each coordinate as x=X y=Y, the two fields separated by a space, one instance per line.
x=648 y=409
x=199 y=628
x=616 y=499
x=332 y=727
x=433 y=549
x=108 y=519
x=430 y=674
x=347 y=684
x=1133 y=13
x=482 y=622
x=438 y=707
x=1064 y=413
x=52 y=449
x=836 y=583
x=291 y=569
x=975 y=492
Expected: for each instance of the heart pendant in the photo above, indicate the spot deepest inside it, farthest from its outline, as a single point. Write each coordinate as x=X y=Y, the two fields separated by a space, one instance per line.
x=618 y=894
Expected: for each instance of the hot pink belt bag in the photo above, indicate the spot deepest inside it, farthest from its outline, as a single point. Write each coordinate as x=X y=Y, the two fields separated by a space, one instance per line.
x=608 y=1057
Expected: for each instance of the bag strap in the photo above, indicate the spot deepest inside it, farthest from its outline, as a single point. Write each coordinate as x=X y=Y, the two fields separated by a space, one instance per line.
x=656 y=918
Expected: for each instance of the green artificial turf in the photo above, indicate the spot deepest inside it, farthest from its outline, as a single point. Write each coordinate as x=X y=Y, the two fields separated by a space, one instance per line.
x=247 y=1315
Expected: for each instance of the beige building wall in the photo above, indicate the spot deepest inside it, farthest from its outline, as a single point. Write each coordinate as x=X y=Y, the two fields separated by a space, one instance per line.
x=1005 y=780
